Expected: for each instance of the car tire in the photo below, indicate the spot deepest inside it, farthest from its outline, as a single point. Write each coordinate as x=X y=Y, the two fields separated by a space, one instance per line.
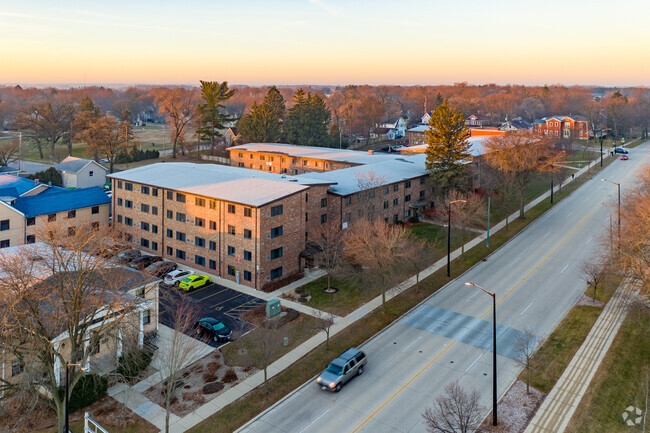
x=360 y=371
x=337 y=388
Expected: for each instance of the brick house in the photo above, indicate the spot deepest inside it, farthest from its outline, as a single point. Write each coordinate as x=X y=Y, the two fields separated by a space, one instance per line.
x=563 y=127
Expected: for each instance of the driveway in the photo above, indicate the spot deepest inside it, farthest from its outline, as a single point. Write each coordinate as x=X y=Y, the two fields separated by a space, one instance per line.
x=212 y=300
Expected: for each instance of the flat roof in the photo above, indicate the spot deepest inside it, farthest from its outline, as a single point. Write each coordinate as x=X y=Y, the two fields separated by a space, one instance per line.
x=324 y=153
x=350 y=180
x=222 y=182
x=476 y=149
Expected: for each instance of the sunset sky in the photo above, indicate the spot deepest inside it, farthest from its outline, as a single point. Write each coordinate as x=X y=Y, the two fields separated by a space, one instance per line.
x=324 y=42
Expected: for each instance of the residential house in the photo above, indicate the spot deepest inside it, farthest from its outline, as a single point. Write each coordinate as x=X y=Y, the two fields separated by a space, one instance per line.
x=81 y=173
x=398 y=128
x=516 y=124
x=567 y=127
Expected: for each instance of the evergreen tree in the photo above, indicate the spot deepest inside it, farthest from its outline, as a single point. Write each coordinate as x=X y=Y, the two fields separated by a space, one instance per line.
x=308 y=120
x=448 y=149
x=211 y=118
x=263 y=123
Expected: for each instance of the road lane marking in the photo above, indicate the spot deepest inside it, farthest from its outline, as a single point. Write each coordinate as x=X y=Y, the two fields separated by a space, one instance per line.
x=589 y=240
x=480 y=356
x=415 y=341
x=547 y=234
x=516 y=260
x=525 y=309
x=403 y=387
x=309 y=425
x=564 y=268
x=472 y=296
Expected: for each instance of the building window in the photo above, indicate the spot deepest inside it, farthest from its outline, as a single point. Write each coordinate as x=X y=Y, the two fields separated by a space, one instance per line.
x=247 y=275
x=199 y=242
x=276 y=210
x=154 y=192
x=213 y=204
x=17 y=367
x=231 y=208
x=31 y=221
x=146 y=317
x=408 y=197
x=119 y=184
x=180 y=236
x=323 y=202
x=346 y=217
x=213 y=225
x=231 y=270
x=213 y=245
x=396 y=187
x=119 y=218
x=144 y=226
x=170 y=214
x=154 y=210
x=231 y=250
x=144 y=243
x=231 y=230
x=4 y=243
x=276 y=253
x=154 y=246
x=248 y=255
x=276 y=231
x=31 y=239
x=199 y=260
x=128 y=221
x=128 y=204
x=323 y=218
x=407 y=184
x=180 y=254
x=247 y=212
x=51 y=217
x=395 y=201
x=199 y=201
x=4 y=225
x=180 y=197
x=144 y=208
x=276 y=273
x=170 y=251
x=248 y=234
x=422 y=193
x=199 y=222
x=170 y=195
x=180 y=217
x=170 y=233
x=144 y=190
x=128 y=186
x=422 y=180
x=385 y=205
x=212 y=264
x=347 y=200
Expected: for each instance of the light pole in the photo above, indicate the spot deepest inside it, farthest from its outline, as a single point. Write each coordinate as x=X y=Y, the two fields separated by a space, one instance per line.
x=601 y=147
x=619 y=207
x=449 y=235
x=494 y=351
x=67 y=398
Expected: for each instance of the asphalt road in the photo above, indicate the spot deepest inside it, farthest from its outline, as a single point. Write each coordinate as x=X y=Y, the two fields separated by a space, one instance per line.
x=448 y=337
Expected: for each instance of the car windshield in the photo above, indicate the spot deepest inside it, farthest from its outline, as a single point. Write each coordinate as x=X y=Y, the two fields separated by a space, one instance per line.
x=219 y=326
x=187 y=280
x=335 y=369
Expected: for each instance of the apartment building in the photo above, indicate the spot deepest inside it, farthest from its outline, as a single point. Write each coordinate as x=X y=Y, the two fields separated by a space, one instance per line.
x=243 y=225
x=563 y=127
x=26 y=206
x=292 y=159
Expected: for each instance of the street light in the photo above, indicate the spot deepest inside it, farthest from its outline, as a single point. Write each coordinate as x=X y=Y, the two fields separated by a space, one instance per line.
x=449 y=235
x=67 y=398
x=619 y=207
x=494 y=351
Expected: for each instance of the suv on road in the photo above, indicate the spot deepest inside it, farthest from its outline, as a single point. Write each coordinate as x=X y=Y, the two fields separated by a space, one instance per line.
x=620 y=150
x=343 y=368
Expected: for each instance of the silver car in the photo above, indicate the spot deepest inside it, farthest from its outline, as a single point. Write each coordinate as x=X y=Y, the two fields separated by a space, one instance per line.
x=343 y=368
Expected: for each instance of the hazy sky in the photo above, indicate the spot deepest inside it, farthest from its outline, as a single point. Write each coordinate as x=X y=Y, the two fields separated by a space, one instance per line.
x=325 y=41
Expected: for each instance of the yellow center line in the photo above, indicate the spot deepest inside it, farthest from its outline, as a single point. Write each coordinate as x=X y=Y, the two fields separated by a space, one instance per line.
x=437 y=357
x=406 y=385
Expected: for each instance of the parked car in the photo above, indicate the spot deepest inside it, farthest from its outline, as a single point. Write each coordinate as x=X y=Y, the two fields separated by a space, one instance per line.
x=349 y=364
x=194 y=282
x=128 y=255
x=160 y=268
x=624 y=157
x=213 y=328
x=620 y=150
x=173 y=278
x=144 y=261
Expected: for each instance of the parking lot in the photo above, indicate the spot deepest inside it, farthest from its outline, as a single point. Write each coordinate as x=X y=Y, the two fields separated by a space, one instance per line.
x=212 y=300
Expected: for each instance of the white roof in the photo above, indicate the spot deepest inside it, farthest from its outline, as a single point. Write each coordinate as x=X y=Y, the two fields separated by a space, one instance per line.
x=419 y=128
x=325 y=153
x=476 y=142
x=239 y=185
x=399 y=168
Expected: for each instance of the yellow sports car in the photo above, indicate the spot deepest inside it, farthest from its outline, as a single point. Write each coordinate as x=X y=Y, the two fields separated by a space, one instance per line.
x=194 y=282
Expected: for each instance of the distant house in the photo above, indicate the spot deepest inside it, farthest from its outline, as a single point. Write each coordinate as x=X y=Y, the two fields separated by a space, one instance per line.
x=26 y=205
x=416 y=135
x=475 y=120
x=398 y=127
x=516 y=125
x=81 y=173
x=563 y=127
x=231 y=136
x=425 y=118
x=384 y=133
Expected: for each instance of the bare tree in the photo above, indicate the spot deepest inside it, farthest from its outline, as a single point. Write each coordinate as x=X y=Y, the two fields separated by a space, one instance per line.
x=328 y=238
x=180 y=105
x=182 y=315
x=263 y=345
x=421 y=256
x=368 y=181
x=46 y=123
x=107 y=136
x=526 y=345
x=325 y=322
x=8 y=150
x=455 y=411
x=469 y=212
x=60 y=299
x=594 y=272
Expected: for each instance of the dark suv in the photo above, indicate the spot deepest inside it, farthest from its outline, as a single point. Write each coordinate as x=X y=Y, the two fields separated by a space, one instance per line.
x=620 y=150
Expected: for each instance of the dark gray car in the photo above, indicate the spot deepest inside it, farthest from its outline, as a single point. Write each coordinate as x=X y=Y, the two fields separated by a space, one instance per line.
x=342 y=369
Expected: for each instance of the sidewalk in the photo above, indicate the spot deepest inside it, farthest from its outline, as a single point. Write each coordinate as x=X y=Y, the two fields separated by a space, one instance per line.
x=144 y=408
x=557 y=409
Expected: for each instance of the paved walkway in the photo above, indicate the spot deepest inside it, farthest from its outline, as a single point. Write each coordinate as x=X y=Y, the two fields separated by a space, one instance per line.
x=156 y=414
x=557 y=409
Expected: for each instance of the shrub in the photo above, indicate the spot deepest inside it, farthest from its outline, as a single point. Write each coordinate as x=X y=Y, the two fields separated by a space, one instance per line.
x=212 y=387
x=90 y=388
x=230 y=376
x=47 y=176
x=414 y=219
x=209 y=377
x=133 y=362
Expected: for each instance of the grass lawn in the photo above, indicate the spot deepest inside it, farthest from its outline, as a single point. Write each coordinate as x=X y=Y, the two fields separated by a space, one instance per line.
x=619 y=380
x=347 y=299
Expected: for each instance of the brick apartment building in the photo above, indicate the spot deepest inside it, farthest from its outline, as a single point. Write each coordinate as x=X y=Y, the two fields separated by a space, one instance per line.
x=563 y=127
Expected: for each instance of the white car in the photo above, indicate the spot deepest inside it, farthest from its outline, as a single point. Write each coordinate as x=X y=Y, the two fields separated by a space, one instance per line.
x=175 y=277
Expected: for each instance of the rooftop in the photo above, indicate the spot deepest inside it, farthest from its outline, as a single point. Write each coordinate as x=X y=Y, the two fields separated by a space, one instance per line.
x=59 y=200
x=234 y=184
x=324 y=153
x=75 y=165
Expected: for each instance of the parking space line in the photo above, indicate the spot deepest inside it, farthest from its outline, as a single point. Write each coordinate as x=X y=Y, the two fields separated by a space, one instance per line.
x=226 y=300
x=215 y=293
